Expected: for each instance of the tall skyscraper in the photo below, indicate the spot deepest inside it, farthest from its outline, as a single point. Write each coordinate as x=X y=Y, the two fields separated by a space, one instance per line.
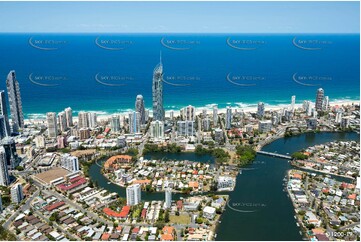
x=92 y=120
x=185 y=128
x=204 y=113
x=12 y=158
x=69 y=116
x=260 y=110
x=61 y=142
x=146 y=115
x=71 y=163
x=206 y=123
x=293 y=102
x=4 y=174
x=39 y=141
x=3 y=129
x=4 y=112
x=134 y=195
x=218 y=135
x=62 y=121
x=52 y=124
x=157 y=91
x=115 y=123
x=16 y=108
x=307 y=107
x=188 y=113
x=157 y=129
x=139 y=107
x=338 y=117
x=17 y=193
x=319 y=99
x=215 y=115
x=83 y=120
x=325 y=103
x=168 y=198
x=134 y=122
x=171 y=114
x=228 y=117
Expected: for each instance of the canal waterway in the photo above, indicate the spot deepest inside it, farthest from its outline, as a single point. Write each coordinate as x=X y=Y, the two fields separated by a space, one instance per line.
x=259 y=208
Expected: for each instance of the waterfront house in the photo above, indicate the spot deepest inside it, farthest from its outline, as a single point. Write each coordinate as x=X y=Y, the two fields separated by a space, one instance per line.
x=209 y=212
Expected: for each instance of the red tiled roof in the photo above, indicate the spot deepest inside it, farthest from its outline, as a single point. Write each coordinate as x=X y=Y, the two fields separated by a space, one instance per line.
x=122 y=214
x=167 y=237
x=168 y=229
x=144 y=213
x=179 y=204
x=74 y=179
x=321 y=237
x=54 y=206
x=105 y=236
x=66 y=187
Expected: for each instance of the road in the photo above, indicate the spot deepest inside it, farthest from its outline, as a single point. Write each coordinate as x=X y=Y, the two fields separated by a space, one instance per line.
x=55 y=225
x=141 y=145
x=349 y=226
x=79 y=207
x=24 y=207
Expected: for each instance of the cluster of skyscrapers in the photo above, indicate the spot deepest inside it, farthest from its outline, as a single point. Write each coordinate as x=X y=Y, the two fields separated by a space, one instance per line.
x=8 y=156
x=61 y=122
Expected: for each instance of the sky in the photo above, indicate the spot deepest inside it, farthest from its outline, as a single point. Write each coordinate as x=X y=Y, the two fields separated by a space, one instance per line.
x=180 y=17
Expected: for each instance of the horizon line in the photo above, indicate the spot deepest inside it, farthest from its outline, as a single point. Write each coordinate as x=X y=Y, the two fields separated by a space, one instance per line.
x=194 y=33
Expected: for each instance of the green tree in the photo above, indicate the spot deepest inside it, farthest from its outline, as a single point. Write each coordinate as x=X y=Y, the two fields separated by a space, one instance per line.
x=299 y=156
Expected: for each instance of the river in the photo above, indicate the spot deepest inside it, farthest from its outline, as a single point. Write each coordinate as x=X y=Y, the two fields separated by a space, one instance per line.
x=258 y=209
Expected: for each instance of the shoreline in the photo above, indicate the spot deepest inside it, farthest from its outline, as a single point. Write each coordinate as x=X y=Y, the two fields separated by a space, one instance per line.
x=198 y=110
x=299 y=222
x=323 y=172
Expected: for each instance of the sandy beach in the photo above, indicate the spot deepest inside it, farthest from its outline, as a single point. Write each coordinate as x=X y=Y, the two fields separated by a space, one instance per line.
x=250 y=109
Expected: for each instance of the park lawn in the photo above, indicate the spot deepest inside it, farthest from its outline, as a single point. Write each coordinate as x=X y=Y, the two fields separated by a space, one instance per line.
x=181 y=219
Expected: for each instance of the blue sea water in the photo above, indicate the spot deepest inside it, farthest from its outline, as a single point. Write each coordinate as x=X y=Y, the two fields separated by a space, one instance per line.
x=105 y=72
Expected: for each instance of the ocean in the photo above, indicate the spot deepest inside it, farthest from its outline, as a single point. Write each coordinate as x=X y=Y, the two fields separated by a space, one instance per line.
x=105 y=72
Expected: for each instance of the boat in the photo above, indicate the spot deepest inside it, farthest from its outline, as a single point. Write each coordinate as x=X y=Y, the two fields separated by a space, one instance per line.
x=240 y=172
x=109 y=183
x=215 y=236
x=297 y=225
